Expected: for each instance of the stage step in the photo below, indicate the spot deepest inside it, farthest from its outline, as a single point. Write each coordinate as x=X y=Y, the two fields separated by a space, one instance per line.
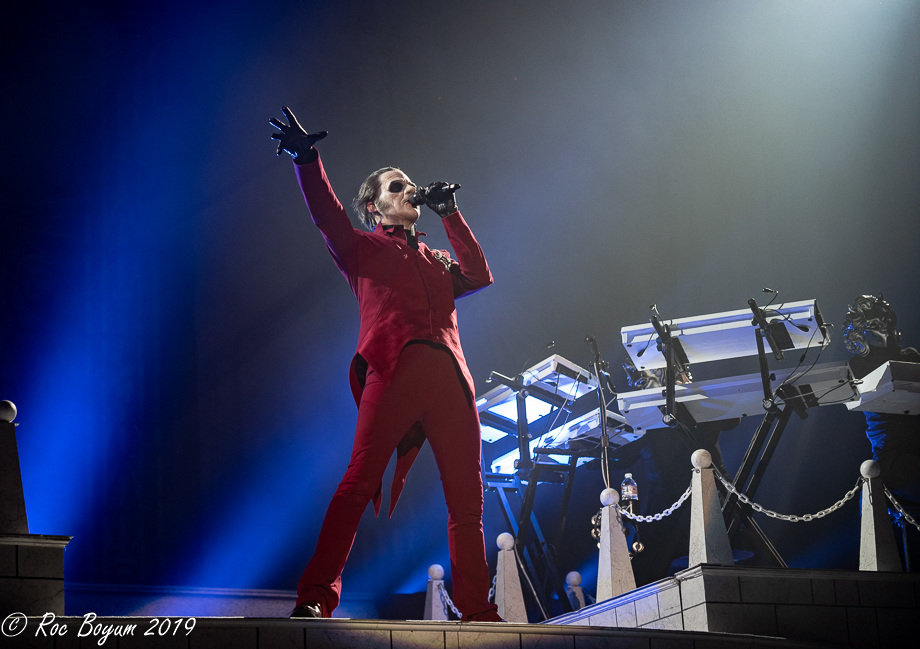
x=274 y=633
x=836 y=607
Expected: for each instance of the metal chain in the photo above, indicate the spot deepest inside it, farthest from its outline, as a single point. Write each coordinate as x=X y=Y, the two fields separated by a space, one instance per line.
x=447 y=601
x=791 y=517
x=657 y=517
x=492 y=590
x=897 y=505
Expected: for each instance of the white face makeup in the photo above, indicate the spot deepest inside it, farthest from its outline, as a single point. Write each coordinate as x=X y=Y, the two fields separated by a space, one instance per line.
x=392 y=206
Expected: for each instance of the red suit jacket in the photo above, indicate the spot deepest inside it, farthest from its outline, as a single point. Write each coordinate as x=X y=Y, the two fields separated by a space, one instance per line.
x=403 y=294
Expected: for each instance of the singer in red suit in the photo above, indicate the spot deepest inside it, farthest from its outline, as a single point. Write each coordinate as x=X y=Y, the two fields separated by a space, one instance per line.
x=409 y=377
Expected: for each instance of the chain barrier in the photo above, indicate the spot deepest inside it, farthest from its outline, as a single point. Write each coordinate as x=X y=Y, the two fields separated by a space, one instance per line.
x=447 y=601
x=657 y=517
x=897 y=505
x=524 y=572
x=596 y=519
x=790 y=517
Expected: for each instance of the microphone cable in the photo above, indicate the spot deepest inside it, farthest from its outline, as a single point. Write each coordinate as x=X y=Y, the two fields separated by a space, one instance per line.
x=792 y=379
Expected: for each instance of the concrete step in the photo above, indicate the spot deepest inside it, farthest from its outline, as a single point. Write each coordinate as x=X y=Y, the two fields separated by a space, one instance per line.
x=836 y=607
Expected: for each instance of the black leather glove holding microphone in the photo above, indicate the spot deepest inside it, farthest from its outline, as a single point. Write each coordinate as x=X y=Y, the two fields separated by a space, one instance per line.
x=438 y=196
x=294 y=139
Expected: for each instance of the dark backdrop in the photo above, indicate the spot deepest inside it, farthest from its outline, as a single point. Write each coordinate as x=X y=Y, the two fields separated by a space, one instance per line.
x=176 y=336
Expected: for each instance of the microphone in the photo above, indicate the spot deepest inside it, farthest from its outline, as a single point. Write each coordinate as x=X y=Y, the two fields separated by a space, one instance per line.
x=591 y=340
x=654 y=308
x=797 y=326
x=433 y=193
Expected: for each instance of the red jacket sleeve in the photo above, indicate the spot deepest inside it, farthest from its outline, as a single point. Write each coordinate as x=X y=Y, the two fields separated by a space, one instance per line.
x=474 y=273
x=329 y=216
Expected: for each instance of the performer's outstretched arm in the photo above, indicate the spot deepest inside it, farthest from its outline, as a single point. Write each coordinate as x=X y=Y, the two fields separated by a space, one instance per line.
x=325 y=209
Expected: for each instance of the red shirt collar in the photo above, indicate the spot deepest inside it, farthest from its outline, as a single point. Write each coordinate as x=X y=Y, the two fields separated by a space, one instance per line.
x=396 y=230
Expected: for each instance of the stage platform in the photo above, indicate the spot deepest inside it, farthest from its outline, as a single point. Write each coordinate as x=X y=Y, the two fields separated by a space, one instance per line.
x=703 y=607
x=833 y=607
x=273 y=633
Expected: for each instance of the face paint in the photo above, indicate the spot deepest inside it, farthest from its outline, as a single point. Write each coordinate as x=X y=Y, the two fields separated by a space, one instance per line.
x=397 y=186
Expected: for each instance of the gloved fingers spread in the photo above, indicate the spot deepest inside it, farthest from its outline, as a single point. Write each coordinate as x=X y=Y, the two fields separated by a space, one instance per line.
x=316 y=137
x=293 y=138
x=292 y=120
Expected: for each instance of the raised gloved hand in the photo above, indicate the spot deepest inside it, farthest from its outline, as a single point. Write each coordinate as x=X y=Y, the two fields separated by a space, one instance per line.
x=293 y=138
x=440 y=197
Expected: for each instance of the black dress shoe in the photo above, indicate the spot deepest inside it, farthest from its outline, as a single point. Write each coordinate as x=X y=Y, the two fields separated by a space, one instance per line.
x=307 y=609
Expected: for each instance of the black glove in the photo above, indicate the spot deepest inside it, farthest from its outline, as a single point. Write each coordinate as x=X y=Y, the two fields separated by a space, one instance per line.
x=294 y=139
x=440 y=197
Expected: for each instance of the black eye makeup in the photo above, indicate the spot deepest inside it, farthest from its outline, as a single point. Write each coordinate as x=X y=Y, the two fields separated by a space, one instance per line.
x=397 y=186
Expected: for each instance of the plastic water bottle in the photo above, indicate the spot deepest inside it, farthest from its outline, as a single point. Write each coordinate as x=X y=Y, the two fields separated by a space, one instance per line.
x=629 y=490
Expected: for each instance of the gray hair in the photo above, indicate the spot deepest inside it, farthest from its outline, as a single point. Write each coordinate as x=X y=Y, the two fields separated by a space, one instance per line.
x=368 y=194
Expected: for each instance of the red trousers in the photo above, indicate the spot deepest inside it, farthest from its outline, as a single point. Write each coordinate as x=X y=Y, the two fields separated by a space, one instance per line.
x=425 y=389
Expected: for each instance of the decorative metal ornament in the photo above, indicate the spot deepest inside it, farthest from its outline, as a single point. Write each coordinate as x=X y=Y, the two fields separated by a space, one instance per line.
x=443 y=258
x=870 y=322
x=642 y=379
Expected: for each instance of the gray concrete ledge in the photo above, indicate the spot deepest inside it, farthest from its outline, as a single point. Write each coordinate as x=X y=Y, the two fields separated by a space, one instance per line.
x=849 y=608
x=35 y=539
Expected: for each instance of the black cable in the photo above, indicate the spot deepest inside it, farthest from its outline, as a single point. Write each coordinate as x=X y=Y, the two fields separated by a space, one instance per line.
x=785 y=316
x=775 y=295
x=831 y=403
x=549 y=427
x=821 y=351
x=569 y=399
x=850 y=383
x=789 y=379
x=650 y=338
